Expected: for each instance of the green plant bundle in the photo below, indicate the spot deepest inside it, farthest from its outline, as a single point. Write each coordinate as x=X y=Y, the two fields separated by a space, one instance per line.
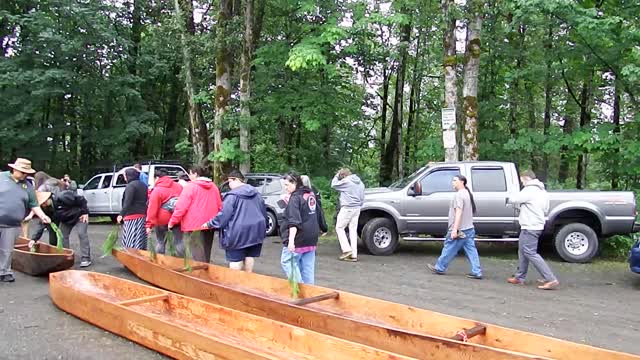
x=33 y=248
x=111 y=242
x=187 y=252
x=59 y=238
x=151 y=246
x=293 y=282
x=170 y=245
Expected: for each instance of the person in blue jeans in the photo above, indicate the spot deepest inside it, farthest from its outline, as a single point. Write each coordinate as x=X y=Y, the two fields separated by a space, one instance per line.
x=300 y=229
x=461 y=233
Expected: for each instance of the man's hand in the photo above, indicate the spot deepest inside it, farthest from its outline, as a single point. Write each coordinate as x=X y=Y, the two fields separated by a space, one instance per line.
x=454 y=234
x=148 y=231
x=291 y=246
x=119 y=219
x=84 y=218
x=31 y=243
x=204 y=226
x=45 y=219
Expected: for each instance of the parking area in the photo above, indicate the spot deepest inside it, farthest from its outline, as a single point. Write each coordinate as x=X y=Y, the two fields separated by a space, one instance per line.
x=595 y=305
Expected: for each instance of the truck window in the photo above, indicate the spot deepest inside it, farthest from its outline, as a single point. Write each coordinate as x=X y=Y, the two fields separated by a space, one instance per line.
x=172 y=171
x=488 y=180
x=106 y=181
x=273 y=187
x=120 y=181
x=256 y=183
x=93 y=183
x=439 y=181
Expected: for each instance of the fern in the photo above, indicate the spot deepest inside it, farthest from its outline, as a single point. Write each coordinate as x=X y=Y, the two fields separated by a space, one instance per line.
x=170 y=245
x=151 y=246
x=59 y=238
x=187 y=252
x=111 y=242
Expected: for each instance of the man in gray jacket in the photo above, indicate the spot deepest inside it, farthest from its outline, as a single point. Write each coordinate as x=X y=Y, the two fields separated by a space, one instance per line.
x=533 y=202
x=351 y=191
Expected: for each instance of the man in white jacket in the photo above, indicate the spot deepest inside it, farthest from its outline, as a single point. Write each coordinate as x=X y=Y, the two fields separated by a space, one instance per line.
x=533 y=202
x=351 y=191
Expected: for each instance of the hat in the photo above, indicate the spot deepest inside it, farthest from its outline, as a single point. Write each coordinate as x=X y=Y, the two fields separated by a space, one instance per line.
x=22 y=165
x=42 y=197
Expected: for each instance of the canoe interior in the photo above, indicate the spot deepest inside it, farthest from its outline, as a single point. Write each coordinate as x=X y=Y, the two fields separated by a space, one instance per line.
x=46 y=259
x=383 y=313
x=206 y=325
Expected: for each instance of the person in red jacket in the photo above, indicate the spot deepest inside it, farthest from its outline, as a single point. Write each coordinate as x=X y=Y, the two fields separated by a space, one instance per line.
x=199 y=202
x=162 y=202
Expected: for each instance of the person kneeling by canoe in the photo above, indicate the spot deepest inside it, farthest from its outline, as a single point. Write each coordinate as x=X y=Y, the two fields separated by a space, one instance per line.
x=71 y=211
x=242 y=223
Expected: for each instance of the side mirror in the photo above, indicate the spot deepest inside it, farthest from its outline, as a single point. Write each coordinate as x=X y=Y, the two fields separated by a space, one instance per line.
x=415 y=190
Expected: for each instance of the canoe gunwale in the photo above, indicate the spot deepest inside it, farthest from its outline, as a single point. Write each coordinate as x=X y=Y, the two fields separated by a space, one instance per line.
x=40 y=263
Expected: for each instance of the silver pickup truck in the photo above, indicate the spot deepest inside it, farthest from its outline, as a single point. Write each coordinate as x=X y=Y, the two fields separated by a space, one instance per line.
x=416 y=209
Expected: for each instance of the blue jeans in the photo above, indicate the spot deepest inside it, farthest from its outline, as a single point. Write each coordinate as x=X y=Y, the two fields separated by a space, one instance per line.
x=305 y=265
x=452 y=247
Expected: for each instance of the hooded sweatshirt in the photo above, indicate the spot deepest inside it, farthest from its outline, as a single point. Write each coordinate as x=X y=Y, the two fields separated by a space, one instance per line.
x=533 y=202
x=351 y=190
x=242 y=220
x=199 y=202
x=165 y=188
x=134 y=200
x=302 y=212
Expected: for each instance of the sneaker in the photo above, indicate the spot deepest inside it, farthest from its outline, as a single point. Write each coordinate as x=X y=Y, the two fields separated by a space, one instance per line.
x=549 y=285
x=345 y=255
x=474 y=276
x=434 y=270
x=7 y=278
x=351 y=258
x=85 y=263
x=515 y=281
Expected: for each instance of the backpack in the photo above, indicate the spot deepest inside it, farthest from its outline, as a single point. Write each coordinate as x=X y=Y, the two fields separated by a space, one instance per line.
x=170 y=205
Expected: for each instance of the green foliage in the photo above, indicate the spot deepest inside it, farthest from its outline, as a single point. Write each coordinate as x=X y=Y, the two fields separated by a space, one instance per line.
x=59 y=237
x=111 y=242
x=293 y=281
x=618 y=246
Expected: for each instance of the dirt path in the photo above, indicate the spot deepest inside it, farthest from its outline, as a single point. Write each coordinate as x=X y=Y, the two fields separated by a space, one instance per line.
x=596 y=305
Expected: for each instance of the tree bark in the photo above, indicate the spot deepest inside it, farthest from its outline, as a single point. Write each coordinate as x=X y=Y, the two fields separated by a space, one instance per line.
x=414 y=95
x=198 y=127
x=245 y=86
x=383 y=124
x=548 y=93
x=393 y=151
x=450 y=77
x=223 y=79
x=470 y=82
x=616 y=130
x=585 y=120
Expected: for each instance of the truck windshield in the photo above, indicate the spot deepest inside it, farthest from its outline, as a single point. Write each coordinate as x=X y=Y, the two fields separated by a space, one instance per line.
x=408 y=179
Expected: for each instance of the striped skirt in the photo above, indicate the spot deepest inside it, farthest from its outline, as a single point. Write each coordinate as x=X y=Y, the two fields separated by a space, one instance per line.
x=134 y=234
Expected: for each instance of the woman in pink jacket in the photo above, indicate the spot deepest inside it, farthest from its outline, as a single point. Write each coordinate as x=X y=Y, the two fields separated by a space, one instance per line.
x=199 y=202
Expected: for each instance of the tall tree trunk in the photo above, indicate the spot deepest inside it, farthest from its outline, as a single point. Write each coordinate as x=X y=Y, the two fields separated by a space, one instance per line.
x=136 y=36
x=450 y=77
x=245 y=86
x=170 y=135
x=383 y=124
x=223 y=78
x=616 y=130
x=567 y=129
x=548 y=93
x=393 y=151
x=470 y=82
x=198 y=127
x=585 y=120
x=414 y=93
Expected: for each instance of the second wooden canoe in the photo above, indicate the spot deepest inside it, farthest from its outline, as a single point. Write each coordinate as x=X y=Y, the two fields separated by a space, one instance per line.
x=46 y=259
x=390 y=326
x=188 y=328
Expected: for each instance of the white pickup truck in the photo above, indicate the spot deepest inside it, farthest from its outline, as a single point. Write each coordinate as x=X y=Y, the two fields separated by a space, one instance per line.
x=104 y=191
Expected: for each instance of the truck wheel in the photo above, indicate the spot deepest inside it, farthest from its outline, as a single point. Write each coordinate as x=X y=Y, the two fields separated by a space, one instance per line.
x=576 y=243
x=272 y=224
x=380 y=236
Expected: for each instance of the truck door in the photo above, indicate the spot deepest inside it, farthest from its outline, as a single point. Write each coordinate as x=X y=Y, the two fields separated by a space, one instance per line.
x=103 y=194
x=116 y=193
x=90 y=192
x=428 y=211
x=489 y=186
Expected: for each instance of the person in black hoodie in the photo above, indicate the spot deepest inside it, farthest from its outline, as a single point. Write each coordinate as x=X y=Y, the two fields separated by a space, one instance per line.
x=134 y=211
x=71 y=211
x=300 y=230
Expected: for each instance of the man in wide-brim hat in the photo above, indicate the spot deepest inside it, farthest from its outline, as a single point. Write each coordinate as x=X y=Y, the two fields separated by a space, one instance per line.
x=17 y=199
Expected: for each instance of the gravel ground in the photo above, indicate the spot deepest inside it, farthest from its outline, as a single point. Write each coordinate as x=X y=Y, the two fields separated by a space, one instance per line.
x=595 y=304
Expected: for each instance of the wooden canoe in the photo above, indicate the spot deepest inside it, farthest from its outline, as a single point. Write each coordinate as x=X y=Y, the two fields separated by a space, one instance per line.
x=385 y=325
x=46 y=259
x=188 y=328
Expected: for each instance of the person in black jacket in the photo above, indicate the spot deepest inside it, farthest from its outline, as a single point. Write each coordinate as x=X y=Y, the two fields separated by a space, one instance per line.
x=71 y=211
x=300 y=230
x=134 y=211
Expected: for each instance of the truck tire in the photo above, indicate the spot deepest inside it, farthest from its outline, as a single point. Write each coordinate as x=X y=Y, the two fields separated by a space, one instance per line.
x=272 y=224
x=576 y=243
x=380 y=236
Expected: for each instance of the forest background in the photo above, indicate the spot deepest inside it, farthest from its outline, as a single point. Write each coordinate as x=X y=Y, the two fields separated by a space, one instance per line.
x=313 y=85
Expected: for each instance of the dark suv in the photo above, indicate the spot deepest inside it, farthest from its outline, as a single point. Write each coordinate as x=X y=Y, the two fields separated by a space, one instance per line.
x=269 y=185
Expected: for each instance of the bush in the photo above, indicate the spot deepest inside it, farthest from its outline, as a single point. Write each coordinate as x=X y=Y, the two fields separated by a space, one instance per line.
x=618 y=246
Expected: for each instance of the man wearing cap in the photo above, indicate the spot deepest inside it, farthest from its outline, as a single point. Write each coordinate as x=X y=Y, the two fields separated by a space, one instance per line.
x=17 y=199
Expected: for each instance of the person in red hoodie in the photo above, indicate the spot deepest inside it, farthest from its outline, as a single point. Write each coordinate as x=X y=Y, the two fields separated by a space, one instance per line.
x=162 y=202
x=199 y=202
